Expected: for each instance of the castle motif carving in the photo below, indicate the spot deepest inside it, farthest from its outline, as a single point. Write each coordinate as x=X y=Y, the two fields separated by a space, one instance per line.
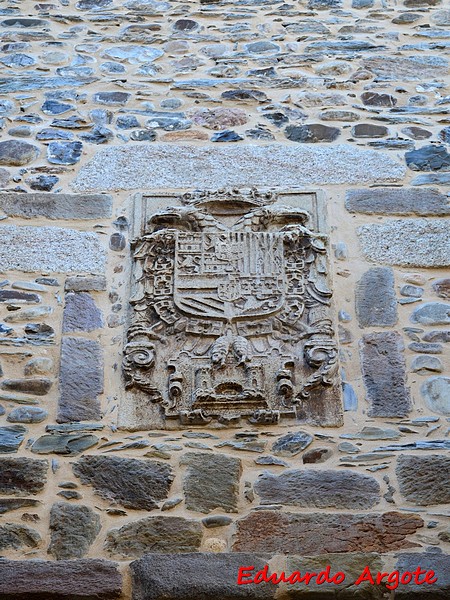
x=231 y=313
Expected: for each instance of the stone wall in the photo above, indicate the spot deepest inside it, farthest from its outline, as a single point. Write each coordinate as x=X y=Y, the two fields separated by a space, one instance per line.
x=347 y=98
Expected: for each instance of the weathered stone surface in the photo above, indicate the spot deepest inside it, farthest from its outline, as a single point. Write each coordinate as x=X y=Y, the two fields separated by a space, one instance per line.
x=428 y=158
x=27 y=414
x=205 y=576
x=22 y=476
x=73 y=528
x=85 y=283
x=350 y=563
x=442 y=288
x=40 y=386
x=81 y=313
x=14 y=536
x=319 y=533
x=11 y=436
x=375 y=300
x=130 y=482
x=406 y=68
x=398 y=201
x=211 y=481
x=408 y=242
x=437 y=336
x=372 y=433
x=56 y=206
x=316 y=455
x=64 y=153
x=383 y=368
x=425 y=348
x=154 y=534
x=18 y=297
x=433 y=560
x=51 y=249
x=160 y=166
x=81 y=380
x=15 y=153
x=368 y=130
x=85 y=579
x=376 y=99
x=411 y=291
x=38 y=366
x=219 y=118
x=424 y=480
x=436 y=393
x=216 y=521
x=292 y=443
x=316 y=132
x=65 y=444
x=7 y=504
x=318 y=489
x=432 y=313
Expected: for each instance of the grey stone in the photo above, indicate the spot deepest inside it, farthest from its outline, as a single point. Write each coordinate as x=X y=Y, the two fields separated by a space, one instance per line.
x=38 y=82
x=22 y=476
x=11 y=437
x=8 y=504
x=262 y=48
x=411 y=291
x=219 y=118
x=211 y=481
x=425 y=348
x=18 y=297
x=441 y=17
x=50 y=249
x=372 y=433
x=216 y=521
x=316 y=132
x=226 y=136
x=424 y=480
x=117 y=242
x=428 y=561
x=163 y=165
x=292 y=443
x=376 y=99
x=368 y=130
x=73 y=529
x=127 y=122
x=15 y=153
x=406 y=68
x=27 y=414
x=42 y=183
x=436 y=393
x=81 y=313
x=424 y=365
x=81 y=380
x=398 y=201
x=133 y=54
x=375 y=300
x=18 y=536
x=40 y=386
x=111 y=98
x=143 y=135
x=85 y=283
x=437 y=336
x=154 y=534
x=432 y=179
x=318 y=489
x=5 y=177
x=64 y=153
x=54 y=107
x=383 y=367
x=442 y=288
x=316 y=455
x=133 y=483
x=407 y=242
x=65 y=444
x=38 y=366
x=270 y=460
x=85 y=579
x=428 y=158
x=246 y=445
x=97 y=135
x=205 y=576
x=432 y=313
x=416 y=133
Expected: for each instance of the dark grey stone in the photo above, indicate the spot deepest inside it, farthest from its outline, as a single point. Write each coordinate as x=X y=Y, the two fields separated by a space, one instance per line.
x=133 y=483
x=433 y=560
x=417 y=133
x=375 y=300
x=425 y=348
x=27 y=83
x=85 y=283
x=292 y=443
x=143 y=135
x=112 y=98
x=7 y=504
x=211 y=481
x=216 y=521
x=262 y=48
x=15 y=153
x=315 y=132
x=398 y=201
x=64 y=153
x=226 y=136
x=81 y=313
x=368 y=130
x=73 y=529
x=428 y=158
x=436 y=392
x=127 y=122
x=204 y=576
x=318 y=489
x=424 y=480
x=86 y=579
x=40 y=386
x=432 y=313
x=243 y=95
x=81 y=380
x=17 y=536
x=376 y=99
x=27 y=414
x=383 y=367
x=16 y=296
x=117 y=242
x=419 y=445
x=53 y=107
x=22 y=476
x=11 y=437
x=54 y=134
x=65 y=444
x=316 y=455
x=97 y=135
x=39 y=332
x=154 y=534
x=42 y=183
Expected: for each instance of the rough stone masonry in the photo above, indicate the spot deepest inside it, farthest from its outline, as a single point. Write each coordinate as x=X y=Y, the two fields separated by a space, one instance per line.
x=111 y=111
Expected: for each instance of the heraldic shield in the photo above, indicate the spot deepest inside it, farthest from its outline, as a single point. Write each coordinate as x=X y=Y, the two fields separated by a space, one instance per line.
x=231 y=319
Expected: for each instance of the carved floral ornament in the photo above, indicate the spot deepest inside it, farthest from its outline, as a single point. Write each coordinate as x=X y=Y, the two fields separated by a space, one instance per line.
x=231 y=313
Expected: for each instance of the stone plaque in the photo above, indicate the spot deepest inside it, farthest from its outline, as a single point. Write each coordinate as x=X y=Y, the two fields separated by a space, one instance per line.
x=231 y=319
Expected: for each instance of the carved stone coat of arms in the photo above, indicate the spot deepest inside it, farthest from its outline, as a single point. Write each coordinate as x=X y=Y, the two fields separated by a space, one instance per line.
x=231 y=319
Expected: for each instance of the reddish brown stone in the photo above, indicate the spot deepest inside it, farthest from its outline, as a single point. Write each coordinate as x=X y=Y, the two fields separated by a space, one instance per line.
x=311 y=534
x=190 y=135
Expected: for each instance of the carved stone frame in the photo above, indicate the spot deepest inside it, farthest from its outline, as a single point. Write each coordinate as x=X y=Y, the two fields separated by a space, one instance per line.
x=256 y=369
